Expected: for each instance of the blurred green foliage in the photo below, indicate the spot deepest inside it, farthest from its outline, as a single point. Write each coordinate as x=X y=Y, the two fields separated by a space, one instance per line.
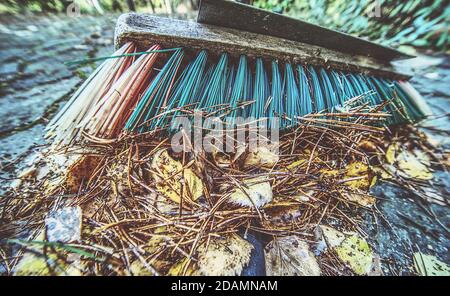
x=54 y=6
x=398 y=23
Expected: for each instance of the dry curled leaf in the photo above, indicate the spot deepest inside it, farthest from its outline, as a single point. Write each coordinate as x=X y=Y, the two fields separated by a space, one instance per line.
x=255 y=192
x=361 y=198
x=262 y=157
x=290 y=256
x=67 y=170
x=367 y=146
x=282 y=212
x=224 y=256
x=80 y=172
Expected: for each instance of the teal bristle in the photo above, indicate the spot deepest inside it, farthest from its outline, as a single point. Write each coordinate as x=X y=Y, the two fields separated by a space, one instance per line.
x=386 y=88
x=316 y=92
x=370 y=93
x=349 y=91
x=188 y=88
x=214 y=91
x=338 y=87
x=261 y=91
x=195 y=81
x=229 y=85
x=288 y=91
x=156 y=95
x=202 y=87
x=305 y=92
x=275 y=106
x=241 y=88
x=376 y=95
x=327 y=90
x=411 y=109
x=292 y=94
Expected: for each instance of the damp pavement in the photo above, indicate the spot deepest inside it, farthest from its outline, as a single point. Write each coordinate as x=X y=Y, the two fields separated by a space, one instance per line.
x=35 y=83
x=409 y=224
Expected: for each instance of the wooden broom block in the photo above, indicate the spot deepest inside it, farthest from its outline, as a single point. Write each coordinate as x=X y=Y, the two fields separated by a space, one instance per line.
x=145 y=30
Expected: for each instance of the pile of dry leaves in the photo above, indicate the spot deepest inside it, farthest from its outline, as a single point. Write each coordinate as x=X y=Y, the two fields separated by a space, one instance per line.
x=134 y=207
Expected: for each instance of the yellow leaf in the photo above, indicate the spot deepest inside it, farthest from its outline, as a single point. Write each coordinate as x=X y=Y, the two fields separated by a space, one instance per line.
x=178 y=268
x=303 y=159
x=381 y=172
x=351 y=249
x=32 y=264
x=391 y=152
x=194 y=184
x=329 y=173
x=170 y=176
x=357 y=169
x=35 y=263
x=296 y=164
x=290 y=256
x=413 y=166
x=137 y=268
x=356 y=253
x=154 y=244
x=428 y=265
x=373 y=182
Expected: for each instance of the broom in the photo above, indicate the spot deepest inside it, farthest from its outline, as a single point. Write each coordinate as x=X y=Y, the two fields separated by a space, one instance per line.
x=278 y=67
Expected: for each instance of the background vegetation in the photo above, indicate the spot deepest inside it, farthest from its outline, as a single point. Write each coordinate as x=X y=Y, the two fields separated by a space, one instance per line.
x=398 y=23
x=88 y=6
x=420 y=23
